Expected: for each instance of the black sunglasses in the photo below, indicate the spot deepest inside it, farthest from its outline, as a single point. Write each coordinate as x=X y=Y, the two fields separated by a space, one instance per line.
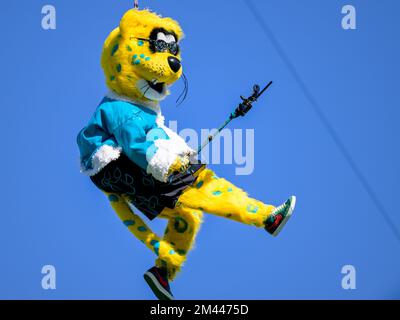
x=163 y=46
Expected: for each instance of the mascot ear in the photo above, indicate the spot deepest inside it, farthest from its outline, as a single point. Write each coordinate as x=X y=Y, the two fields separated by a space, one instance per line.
x=140 y=23
x=172 y=25
x=132 y=23
x=111 y=39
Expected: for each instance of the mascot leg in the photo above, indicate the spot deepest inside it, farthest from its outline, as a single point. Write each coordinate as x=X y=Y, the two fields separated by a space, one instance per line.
x=140 y=230
x=218 y=196
x=183 y=226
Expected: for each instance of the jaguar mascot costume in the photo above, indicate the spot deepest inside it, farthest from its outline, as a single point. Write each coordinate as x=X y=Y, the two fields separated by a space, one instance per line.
x=142 y=165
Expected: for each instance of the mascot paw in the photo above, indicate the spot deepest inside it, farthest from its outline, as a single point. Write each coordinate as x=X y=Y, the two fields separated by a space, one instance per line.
x=181 y=164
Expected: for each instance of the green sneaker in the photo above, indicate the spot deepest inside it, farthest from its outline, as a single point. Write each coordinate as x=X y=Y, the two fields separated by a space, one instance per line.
x=157 y=280
x=280 y=216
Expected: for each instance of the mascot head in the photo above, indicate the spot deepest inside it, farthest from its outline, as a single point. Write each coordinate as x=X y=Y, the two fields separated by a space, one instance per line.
x=141 y=57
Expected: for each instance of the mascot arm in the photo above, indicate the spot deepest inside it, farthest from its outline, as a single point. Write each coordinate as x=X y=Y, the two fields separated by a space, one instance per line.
x=158 y=157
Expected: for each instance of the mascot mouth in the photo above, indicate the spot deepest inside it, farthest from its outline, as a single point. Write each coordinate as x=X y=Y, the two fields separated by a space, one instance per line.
x=153 y=90
x=159 y=86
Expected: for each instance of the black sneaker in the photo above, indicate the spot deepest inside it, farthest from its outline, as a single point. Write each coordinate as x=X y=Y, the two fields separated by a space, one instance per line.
x=157 y=279
x=280 y=216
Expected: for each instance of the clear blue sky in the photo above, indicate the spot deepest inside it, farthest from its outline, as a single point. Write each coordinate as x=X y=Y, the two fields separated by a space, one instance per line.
x=51 y=214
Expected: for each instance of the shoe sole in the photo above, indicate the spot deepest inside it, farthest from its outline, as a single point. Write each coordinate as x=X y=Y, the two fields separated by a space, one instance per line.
x=156 y=287
x=289 y=214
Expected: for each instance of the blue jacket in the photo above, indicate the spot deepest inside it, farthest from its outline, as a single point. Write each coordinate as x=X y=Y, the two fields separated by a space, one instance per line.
x=120 y=125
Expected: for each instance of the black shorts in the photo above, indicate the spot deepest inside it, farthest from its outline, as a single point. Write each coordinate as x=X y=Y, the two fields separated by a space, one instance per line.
x=150 y=196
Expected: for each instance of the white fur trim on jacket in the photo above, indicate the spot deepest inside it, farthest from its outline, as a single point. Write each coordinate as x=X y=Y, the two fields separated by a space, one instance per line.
x=180 y=146
x=102 y=157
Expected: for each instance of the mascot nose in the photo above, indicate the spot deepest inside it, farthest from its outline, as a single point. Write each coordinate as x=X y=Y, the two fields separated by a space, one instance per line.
x=174 y=64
